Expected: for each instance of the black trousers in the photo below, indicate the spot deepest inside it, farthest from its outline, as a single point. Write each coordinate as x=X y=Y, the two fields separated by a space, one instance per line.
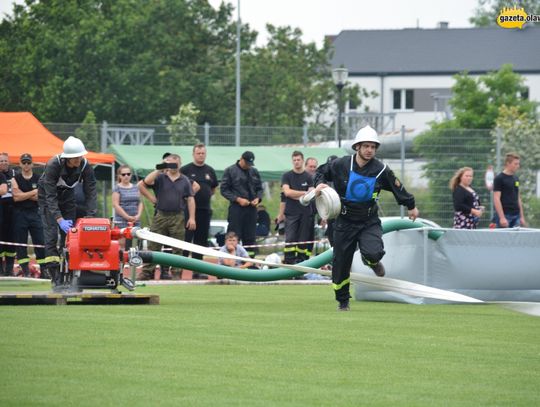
x=53 y=252
x=7 y=234
x=298 y=228
x=348 y=236
x=200 y=235
x=243 y=221
x=27 y=220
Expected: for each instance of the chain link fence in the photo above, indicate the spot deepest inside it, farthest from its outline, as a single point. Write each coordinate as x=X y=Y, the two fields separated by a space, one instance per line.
x=210 y=135
x=425 y=166
x=434 y=158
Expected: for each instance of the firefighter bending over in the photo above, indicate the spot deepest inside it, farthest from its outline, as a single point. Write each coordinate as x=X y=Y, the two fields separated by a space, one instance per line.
x=56 y=198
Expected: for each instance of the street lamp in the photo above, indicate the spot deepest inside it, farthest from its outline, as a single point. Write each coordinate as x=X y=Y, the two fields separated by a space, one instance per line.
x=340 y=78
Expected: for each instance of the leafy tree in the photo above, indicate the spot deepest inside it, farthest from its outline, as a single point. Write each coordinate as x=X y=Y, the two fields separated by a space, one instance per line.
x=88 y=132
x=127 y=61
x=287 y=83
x=137 y=61
x=183 y=127
x=466 y=139
x=487 y=11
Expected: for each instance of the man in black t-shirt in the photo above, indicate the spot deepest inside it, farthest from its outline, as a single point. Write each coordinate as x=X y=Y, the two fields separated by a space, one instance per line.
x=6 y=227
x=27 y=219
x=506 y=197
x=3 y=190
x=298 y=218
x=205 y=176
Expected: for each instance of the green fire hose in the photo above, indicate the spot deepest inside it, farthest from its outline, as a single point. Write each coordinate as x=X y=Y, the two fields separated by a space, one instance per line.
x=217 y=270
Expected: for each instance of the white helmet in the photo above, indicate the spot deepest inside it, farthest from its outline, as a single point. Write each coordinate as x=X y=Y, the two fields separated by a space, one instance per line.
x=366 y=134
x=73 y=147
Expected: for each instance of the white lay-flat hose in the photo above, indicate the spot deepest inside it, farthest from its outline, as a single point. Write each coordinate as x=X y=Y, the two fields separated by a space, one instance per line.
x=383 y=283
x=328 y=203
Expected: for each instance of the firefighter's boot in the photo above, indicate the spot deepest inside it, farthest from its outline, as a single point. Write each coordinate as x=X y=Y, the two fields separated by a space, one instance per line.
x=56 y=277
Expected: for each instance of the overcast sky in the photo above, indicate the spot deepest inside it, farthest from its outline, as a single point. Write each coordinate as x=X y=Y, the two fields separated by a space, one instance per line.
x=317 y=18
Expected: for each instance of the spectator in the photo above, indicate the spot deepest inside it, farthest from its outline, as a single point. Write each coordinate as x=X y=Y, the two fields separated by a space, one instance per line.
x=358 y=180
x=126 y=201
x=205 y=176
x=311 y=166
x=26 y=210
x=329 y=222
x=506 y=196
x=232 y=247
x=3 y=190
x=263 y=221
x=173 y=193
x=242 y=187
x=299 y=219
x=56 y=198
x=467 y=209
x=7 y=233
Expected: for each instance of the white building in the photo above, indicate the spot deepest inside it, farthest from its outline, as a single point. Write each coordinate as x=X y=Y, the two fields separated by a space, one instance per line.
x=412 y=69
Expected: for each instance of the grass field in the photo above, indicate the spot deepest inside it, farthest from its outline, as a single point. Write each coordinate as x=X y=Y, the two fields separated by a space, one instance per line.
x=266 y=345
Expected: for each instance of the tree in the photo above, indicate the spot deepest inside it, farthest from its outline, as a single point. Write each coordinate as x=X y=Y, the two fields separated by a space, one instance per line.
x=466 y=139
x=137 y=61
x=288 y=83
x=183 y=127
x=127 y=61
x=88 y=132
x=487 y=11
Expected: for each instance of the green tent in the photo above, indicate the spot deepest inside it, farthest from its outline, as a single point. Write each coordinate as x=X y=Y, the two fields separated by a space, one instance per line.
x=271 y=162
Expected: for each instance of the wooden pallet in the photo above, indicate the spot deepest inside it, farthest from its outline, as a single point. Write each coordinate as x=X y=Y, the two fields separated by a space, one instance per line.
x=50 y=298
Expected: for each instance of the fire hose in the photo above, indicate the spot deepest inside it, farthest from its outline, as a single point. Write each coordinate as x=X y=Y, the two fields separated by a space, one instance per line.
x=285 y=271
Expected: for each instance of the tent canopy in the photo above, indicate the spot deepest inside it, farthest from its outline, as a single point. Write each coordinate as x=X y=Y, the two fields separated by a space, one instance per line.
x=22 y=133
x=271 y=162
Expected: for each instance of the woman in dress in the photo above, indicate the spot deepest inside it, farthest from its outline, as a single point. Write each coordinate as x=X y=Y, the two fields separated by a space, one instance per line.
x=467 y=209
x=126 y=200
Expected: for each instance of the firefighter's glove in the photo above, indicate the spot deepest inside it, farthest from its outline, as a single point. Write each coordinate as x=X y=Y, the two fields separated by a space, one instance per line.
x=65 y=224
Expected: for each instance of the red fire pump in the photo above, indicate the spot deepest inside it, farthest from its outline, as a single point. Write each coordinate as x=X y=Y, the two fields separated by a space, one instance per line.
x=93 y=257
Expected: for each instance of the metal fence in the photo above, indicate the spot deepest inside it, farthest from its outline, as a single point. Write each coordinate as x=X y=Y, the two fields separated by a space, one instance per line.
x=208 y=134
x=425 y=165
x=436 y=159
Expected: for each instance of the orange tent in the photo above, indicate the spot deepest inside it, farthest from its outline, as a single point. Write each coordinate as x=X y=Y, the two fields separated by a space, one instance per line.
x=21 y=132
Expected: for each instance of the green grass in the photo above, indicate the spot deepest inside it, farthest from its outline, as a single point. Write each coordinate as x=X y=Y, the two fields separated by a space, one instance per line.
x=266 y=345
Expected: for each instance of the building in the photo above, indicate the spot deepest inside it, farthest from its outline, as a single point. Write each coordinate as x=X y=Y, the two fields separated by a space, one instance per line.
x=412 y=69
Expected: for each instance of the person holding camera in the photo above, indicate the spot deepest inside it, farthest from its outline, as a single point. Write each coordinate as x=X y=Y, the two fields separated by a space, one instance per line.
x=173 y=193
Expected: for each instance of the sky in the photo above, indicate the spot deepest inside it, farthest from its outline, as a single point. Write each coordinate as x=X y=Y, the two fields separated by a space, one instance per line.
x=317 y=18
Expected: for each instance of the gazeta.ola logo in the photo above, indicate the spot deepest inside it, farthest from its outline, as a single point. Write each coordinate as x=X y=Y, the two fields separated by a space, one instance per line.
x=512 y=17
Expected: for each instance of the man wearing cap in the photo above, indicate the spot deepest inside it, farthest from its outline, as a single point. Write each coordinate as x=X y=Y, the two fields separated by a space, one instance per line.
x=358 y=180
x=56 y=198
x=241 y=185
x=27 y=219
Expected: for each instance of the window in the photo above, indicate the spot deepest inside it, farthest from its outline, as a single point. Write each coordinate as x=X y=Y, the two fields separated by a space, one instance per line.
x=403 y=99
